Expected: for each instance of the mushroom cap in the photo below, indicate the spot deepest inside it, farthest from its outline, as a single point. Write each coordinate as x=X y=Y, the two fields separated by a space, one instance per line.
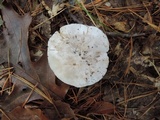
x=77 y=54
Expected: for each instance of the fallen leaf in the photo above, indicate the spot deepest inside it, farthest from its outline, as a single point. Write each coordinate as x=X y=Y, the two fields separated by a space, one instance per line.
x=65 y=112
x=157 y=28
x=147 y=17
x=16 y=41
x=3 y=49
x=53 y=7
x=102 y=108
x=120 y=26
x=47 y=78
x=20 y=53
x=20 y=113
x=1 y=6
x=16 y=37
x=26 y=75
x=18 y=99
x=45 y=28
x=1 y=21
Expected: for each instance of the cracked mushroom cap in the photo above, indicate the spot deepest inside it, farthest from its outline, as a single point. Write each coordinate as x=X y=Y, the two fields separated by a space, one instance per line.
x=77 y=54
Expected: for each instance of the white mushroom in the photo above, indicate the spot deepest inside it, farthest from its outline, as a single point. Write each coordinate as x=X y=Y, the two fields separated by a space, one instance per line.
x=77 y=54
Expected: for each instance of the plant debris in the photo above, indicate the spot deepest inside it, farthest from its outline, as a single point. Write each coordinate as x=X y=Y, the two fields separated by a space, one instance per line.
x=129 y=90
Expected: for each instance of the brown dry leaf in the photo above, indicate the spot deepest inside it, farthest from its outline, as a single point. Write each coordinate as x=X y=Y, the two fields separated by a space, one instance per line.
x=16 y=38
x=45 y=28
x=152 y=45
x=53 y=7
x=20 y=53
x=26 y=76
x=157 y=28
x=19 y=94
x=47 y=77
x=148 y=17
x=120 y=26
x=64 y=110
x=3 y=50
x=20 y=113
x=122 y=3
x=102 y=108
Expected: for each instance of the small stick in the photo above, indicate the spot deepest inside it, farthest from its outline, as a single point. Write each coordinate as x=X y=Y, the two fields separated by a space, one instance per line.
x=116 y=34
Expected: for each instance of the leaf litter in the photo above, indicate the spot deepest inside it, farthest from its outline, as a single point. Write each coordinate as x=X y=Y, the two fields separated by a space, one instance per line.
x=23 y=76
x=20 y=113
x=129 y=90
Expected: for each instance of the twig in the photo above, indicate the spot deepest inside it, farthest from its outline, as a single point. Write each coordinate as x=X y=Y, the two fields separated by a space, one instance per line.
x=139 y=96
x=30 y=85
x=33 y=87
x=4 y=114
x=129 y=60
x=157 y=28
x=86 y=118
x=29 y=95
x=37 y=26
x=117 y=34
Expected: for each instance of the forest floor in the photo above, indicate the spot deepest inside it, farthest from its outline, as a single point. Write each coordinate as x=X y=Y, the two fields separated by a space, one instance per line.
x=29 y=90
